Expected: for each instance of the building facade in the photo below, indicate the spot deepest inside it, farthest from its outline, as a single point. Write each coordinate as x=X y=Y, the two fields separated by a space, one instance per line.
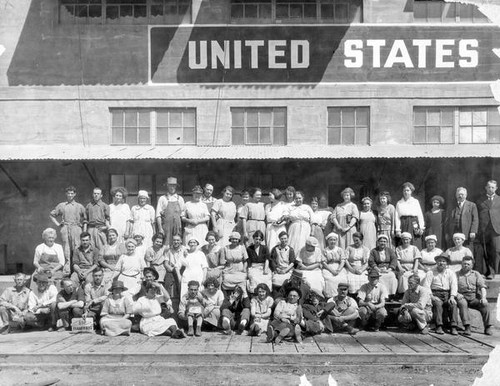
x=319 y=94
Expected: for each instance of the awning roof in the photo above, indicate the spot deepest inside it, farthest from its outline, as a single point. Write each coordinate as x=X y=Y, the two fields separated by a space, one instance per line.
x=67 y=152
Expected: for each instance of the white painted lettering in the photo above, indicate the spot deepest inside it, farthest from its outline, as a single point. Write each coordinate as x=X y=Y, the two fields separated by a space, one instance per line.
x=469 y=58
x=274 y=53
x=303 y=47
x=398 y=54
x=422 y=45
x=353 y=51
x=254 y=51
x=376 y=44
x=202 y=64
x=442 y=52
x=220 y=54
x=237 y=54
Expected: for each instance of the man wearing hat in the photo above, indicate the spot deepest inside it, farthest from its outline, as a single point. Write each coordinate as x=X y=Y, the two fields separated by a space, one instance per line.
x=463 y=218
x=151 y=276
x=42 y=303
x=96 y=292
x=168 y=211
x=416 y=305
x=472 y=294
x=371 y=299
x=341 y=311
x=14 y=303
x=442 y=281
x=296 y=281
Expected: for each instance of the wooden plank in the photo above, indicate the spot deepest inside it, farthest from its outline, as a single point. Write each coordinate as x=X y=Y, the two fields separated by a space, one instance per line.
x=461 y=344
x=348 y=343
x=285 y=347
x=66 y=344
x=328 y=344
x=308 y=346
x=373 y=341
x=239 y=344
x=413 y=342
x=488 y=340
x=214 y=342
x=259 y=345
x=393 y=344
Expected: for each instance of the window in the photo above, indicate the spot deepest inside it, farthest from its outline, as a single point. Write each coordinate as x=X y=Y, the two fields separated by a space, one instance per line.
x=479 y=125
x=439 y=11
x=130 y=127
x=348 y=125
x=163 y=126
x=433 y=125
x=176 y=126
x=124 y=11
x=279 y=11
x=259 y=126
x=133 y=183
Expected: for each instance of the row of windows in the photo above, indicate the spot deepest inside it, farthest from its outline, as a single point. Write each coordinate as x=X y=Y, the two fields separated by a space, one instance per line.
x=255 y=11
x=268 y=126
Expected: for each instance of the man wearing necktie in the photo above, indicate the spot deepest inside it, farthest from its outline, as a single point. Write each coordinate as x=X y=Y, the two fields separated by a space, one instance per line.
x=489 y=226
x=463 y=218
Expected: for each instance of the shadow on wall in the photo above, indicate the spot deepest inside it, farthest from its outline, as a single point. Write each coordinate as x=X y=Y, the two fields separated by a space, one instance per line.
x=51 y=53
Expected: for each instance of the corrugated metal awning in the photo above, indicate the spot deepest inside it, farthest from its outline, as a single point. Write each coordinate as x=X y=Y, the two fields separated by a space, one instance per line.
x=67 y=152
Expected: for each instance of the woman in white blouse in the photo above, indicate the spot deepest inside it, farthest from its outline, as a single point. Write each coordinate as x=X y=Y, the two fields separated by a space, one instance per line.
x=409 y=216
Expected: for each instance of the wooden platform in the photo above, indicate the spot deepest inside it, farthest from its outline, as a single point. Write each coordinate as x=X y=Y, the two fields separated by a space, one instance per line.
x=366 y=348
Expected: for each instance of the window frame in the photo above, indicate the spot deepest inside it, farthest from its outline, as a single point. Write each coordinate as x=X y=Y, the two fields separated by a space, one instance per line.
x=272 y=127
x=342 y=127
x=458 y=9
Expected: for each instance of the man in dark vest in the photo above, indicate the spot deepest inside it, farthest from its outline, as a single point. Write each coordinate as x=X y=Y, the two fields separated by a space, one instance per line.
x=463 y=218
x=489 y=226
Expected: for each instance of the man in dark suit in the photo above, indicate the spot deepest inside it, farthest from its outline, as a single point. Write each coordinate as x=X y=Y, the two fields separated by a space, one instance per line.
x=462 y=219
x=489 y=226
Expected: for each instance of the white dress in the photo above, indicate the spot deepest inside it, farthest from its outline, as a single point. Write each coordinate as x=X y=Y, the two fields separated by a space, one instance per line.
x=333 y=258
x=368 y=227
x=194 y=263
x=195 y=211
x=357 y=257
x=142 y=219
x=130 y=268
x=300 y=227
x=312 y=277
x=273 y=214
x=119 y=216
x=225 y=213
x=152 y=323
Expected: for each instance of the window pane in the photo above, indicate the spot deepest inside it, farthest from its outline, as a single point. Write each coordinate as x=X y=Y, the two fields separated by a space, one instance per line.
x=265 y=118
x=189 y=118
x=434 y=117
x=126 y=10
x=265 y=135
x=362 y=117
x=131 y=182
x=341 y=12
x=420 y=134
x=465 y=118
x=279 y=117
x=162 y=135
x=144 y=135
x=333 y=117
x=433 y=134
x=419 y=10
x=130 y=135
x=310 y=11
x=117 y=118
x=175 y=136
x=465 y=134
x=116 y=135
x=95 y=11
x=493 y=116
x=348 y=136
x=479 y=117
x=140 y=11
x=479 y=134
x=237 y=11
x=420 y=117
x=238 y=136
x=279 y=137
x=144 y=118
x=347 y=117
x=466 y=13
x=281 y=11
x=156 y=10
x=494 y=134
x=237 y=117
x=296 y=10
x=447 y=134
x=265 y=11
x=145 y=182
x=162 y=118
x=327 y=11
x=112 y=12
x=334 y=135
x=252 y=135
x=361 y=135
x=447 y=117
x=175 y=119
x=131 y=118
x=434 y=10
x=251 y=11
x=189 y=136
x=252 y=117
x=117 y=180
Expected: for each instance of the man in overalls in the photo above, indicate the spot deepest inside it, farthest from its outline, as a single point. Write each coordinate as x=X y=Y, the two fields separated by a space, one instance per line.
x=168 y=212
x=72 y=215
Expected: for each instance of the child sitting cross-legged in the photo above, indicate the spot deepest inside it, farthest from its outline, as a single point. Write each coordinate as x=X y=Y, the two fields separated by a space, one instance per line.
x=191 y=308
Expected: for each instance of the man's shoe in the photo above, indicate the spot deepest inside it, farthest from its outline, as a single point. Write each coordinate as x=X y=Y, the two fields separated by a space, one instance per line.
x=488 y=331
x=467 y=331
x=439 y=330
x=351 y=330
x=424 y=331
x=270 y=334
x=278 y=339
x=61 y=329
x=454 y=331
x=298 y=334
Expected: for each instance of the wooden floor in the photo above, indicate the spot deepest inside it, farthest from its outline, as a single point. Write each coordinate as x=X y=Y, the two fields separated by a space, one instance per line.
x=386 y=347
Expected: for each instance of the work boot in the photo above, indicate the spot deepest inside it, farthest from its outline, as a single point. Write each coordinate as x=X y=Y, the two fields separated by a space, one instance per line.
x=351 y=330
x=270 y=334
x=424 y=331
x=488 y=331
x=439 y=330
x=454 y=331
x=467 y=331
